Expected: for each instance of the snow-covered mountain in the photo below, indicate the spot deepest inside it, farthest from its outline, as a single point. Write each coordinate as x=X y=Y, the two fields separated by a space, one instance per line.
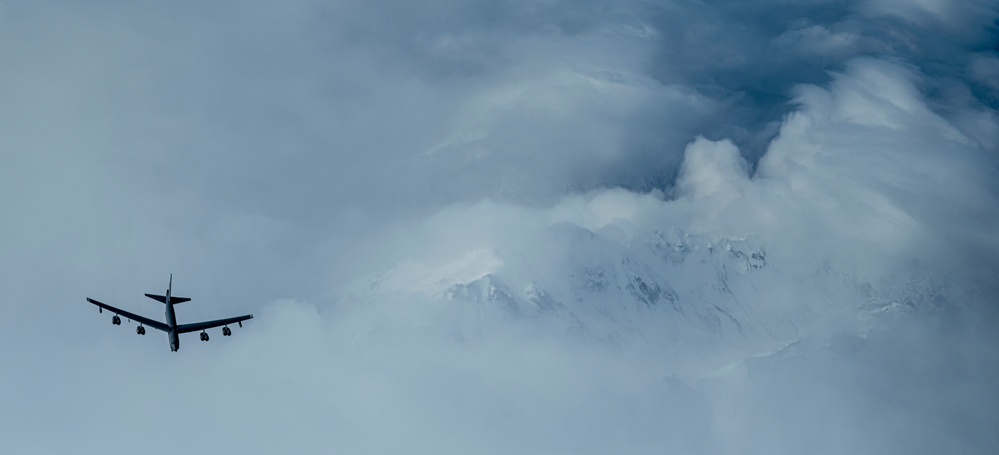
x=665 y=288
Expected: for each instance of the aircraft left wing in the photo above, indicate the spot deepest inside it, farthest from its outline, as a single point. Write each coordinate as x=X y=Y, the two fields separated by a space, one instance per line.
x=193 y=327
x=144 y=320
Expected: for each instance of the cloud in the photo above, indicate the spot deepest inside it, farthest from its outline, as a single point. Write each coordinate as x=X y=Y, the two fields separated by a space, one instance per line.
x=712 y=169
x=867 y=200
x=502 y=227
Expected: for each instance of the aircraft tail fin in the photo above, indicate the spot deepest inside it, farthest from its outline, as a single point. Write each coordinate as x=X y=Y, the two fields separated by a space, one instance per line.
x=162 y=298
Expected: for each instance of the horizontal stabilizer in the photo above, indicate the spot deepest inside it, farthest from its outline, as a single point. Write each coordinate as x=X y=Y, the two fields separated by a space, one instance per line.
x=162 y=298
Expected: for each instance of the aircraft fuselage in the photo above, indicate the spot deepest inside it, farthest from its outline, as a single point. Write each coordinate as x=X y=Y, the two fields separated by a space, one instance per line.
x=171 y=320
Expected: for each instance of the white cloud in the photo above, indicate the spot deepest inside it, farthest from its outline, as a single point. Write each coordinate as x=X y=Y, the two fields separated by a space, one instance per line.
x=618 y=213
x=712 y=170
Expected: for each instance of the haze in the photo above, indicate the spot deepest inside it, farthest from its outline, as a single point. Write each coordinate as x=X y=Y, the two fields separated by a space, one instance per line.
x=434 y=211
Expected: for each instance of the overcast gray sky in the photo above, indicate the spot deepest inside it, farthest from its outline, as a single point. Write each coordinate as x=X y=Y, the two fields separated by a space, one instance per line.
x=276 y=156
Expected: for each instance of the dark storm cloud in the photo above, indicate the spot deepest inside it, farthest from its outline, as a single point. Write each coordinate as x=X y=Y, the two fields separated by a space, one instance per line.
x=753 y=55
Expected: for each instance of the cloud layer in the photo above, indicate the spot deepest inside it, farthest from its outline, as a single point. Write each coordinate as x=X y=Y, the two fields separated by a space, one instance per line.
x=536 y=227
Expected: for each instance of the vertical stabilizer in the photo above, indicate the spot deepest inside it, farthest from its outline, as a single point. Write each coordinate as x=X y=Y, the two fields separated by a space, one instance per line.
x=169 y=295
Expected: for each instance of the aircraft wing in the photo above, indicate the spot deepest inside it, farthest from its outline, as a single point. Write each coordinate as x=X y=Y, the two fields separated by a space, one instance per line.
x=193 y=327
x=144 y=320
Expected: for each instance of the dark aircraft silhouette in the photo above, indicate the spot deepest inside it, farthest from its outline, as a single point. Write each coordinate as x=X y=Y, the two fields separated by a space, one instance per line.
x=171 y=327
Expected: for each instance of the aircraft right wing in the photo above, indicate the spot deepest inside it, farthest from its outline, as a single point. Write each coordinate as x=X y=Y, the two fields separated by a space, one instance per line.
x=144 y=320
x=184 y=328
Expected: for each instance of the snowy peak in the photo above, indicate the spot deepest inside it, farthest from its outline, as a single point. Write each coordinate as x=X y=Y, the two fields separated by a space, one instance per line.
x=487 y=292
x=435 y=278
x=625 y=277
x=676 y=247
x=666 y=286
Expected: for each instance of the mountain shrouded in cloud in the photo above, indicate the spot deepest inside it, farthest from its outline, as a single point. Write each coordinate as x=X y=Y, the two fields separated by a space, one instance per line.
x=503 y=227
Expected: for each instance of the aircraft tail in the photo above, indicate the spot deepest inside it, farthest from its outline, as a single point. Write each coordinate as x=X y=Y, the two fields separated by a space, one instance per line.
x=162 y=298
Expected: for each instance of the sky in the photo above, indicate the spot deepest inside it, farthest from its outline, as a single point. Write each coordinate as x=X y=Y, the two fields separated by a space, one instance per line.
x=370 y=178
